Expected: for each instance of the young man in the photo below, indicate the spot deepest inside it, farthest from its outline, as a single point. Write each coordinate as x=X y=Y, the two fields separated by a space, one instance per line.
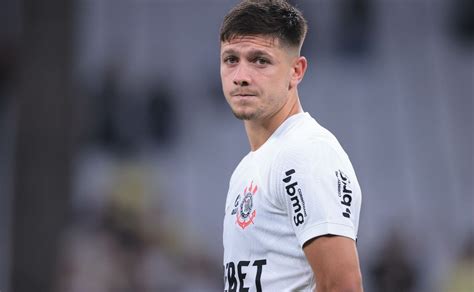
x=292 y=208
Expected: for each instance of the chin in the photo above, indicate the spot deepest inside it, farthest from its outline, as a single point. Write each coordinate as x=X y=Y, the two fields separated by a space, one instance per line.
x=244 y=116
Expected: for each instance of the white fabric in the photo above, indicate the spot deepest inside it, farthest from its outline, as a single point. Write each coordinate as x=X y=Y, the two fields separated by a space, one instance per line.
x=299 y=185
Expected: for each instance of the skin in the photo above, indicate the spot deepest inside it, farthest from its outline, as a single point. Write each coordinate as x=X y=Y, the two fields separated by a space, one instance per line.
x=259 y=77
x=335 y=263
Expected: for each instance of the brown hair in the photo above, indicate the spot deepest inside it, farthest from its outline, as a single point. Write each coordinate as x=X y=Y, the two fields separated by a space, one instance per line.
x=274 y=18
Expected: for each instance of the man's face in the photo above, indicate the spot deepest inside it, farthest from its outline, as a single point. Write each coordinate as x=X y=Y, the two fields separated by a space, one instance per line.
x=256 y=76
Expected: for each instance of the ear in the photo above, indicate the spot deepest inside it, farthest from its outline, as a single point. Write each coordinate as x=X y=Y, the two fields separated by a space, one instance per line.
x=300 y=64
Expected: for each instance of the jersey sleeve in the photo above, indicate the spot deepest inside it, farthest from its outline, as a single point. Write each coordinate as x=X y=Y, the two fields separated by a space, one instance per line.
x=317 y=187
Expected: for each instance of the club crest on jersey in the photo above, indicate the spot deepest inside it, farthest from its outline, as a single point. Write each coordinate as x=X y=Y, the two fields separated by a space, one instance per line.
x=244 y=210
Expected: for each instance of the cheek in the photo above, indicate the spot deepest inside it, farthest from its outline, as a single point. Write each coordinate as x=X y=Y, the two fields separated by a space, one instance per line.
x=283 y=82
x=281 y=78
x=224 y=82
x=222 y=72
x=224 y=78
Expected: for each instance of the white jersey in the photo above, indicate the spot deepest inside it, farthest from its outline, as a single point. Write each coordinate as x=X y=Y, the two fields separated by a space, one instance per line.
x=299 y=185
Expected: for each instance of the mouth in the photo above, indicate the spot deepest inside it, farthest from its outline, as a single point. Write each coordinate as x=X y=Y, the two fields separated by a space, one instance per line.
x=239 y=93
x=243 y=95
x=243 y=98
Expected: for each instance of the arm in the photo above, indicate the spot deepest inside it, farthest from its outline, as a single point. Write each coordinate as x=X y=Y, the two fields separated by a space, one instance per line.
x=322 y=196
x=335 y=263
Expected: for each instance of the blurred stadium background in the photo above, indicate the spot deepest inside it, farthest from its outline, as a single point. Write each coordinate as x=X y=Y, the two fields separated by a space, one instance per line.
x=116 y=144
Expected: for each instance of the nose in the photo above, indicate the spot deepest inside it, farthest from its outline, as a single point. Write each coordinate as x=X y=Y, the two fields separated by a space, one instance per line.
x=241 y=76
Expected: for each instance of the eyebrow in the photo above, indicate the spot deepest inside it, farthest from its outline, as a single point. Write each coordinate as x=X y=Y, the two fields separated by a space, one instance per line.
x=252 y=53
x=229 y=52
x=257 y=53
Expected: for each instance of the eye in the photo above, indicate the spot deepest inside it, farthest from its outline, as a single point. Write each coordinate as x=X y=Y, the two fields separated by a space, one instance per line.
x=231 y=60
x=261 y=61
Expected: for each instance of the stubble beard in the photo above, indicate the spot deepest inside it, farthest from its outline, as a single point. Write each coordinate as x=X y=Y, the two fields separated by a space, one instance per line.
x=247 y=115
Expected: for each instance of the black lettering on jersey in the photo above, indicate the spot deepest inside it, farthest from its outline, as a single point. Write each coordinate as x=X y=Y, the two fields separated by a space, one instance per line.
x=231 y=283
x=259 y=264
x=298 y=218
x=242 y=275
x=225 y=276
x=231 y=277
x=288 y=174
x=344 y=192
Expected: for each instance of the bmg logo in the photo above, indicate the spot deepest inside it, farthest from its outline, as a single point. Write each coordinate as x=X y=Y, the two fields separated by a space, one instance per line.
x=295 y=198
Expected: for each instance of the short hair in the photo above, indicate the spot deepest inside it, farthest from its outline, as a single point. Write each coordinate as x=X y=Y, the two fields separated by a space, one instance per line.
x=274 y=18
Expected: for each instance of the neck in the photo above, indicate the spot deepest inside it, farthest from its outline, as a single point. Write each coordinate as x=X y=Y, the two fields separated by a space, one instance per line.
x=258 y=131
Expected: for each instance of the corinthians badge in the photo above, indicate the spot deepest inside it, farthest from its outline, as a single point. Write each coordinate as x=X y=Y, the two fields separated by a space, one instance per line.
x=246 y=212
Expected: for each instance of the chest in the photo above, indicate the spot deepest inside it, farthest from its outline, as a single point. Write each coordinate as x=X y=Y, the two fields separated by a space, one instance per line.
x=253 y=220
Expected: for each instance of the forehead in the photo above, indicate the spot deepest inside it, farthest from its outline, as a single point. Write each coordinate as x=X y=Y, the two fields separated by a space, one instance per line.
x=243 y=43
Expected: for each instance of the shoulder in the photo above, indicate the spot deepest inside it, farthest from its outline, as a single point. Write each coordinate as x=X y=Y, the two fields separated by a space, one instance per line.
x=309 y=156
x=310 y=148
x=312 y=151
x=306 y=136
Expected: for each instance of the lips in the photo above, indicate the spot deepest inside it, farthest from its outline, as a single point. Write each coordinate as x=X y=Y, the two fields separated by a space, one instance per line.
x=242 y=93
x=243 y=97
